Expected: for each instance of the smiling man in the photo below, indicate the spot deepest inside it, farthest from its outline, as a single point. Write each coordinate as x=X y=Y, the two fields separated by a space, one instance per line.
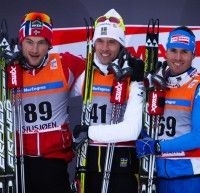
x=48 y=81
x=110 y=122
x=178 y=144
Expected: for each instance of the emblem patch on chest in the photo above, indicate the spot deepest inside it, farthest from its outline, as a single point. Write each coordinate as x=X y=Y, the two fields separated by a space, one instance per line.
x=53 y=64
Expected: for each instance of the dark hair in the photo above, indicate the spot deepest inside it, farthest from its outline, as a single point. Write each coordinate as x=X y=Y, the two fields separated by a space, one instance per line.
x=184 y=28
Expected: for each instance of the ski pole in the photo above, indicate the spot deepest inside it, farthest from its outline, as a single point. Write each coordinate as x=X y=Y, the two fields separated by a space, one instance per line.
x=79 y=184
x=15 y=139
x=3 y=46
x=15 y=83
x=152 y=161
x=21 y=151
x=109 y=157
x=150 y=121
x=155 y=109
x=107 y=167
x=118 y=98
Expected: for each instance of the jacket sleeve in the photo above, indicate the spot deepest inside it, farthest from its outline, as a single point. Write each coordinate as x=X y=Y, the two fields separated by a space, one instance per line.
x=76 y=89
x=73 y=67
x=127 y=130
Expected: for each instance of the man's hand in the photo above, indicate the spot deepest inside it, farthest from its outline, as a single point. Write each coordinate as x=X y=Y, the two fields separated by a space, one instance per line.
x=80 y=134
x=126 y=65
x=147 y=146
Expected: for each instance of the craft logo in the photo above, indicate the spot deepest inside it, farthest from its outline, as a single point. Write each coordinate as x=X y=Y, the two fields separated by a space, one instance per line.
x=36 y=24
x=180 y=39
x=193 y=83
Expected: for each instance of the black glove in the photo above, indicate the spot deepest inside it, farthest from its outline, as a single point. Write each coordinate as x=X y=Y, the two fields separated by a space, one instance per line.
x=137 y=66
x=80 y=134
x=119 y=67
x=159 y=78
x=131 y=66
x=163 y=69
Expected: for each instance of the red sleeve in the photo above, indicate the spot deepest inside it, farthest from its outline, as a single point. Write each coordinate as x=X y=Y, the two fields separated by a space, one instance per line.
x=73 y=63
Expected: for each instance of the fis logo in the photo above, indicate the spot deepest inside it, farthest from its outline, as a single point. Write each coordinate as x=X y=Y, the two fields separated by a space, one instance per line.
x=54 y=64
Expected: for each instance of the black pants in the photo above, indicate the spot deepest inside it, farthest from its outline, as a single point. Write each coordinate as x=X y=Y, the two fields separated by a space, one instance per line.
x=44 y=175
x=119 y=183
x=124 y=167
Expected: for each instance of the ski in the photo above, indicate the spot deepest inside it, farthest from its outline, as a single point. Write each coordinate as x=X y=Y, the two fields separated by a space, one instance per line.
x=7 y=140
x=14 y=84
x=153 y=106
x=79 y=183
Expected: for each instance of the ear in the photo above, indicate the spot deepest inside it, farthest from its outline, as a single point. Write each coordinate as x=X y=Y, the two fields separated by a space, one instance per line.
x=50 y=47
x=194 y=55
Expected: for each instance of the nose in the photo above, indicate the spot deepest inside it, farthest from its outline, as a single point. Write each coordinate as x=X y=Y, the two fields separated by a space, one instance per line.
x=105 y=46
x=34 y=48
x=178 y=56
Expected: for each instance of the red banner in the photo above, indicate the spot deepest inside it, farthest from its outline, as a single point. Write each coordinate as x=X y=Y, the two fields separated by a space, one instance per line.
x=73 y=40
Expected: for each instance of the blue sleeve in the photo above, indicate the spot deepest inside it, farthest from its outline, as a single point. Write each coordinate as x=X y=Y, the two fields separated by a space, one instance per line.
x=190 y=140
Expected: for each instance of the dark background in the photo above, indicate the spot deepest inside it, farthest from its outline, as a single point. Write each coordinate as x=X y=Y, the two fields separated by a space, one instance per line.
x=70 y=13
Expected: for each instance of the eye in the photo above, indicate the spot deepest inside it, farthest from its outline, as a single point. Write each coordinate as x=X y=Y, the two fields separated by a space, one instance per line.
x=172 y=50
x=29 y=42
x=185 y=51
x=99 y=40
x=42 y=43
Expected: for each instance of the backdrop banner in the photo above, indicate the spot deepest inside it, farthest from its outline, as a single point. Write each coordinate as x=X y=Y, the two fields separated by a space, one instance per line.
x=73 y=40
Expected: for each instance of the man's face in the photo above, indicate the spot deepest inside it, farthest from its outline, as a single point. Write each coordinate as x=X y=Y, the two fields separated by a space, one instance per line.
x=106 y=49
x=34 y=49
x=179 y=60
